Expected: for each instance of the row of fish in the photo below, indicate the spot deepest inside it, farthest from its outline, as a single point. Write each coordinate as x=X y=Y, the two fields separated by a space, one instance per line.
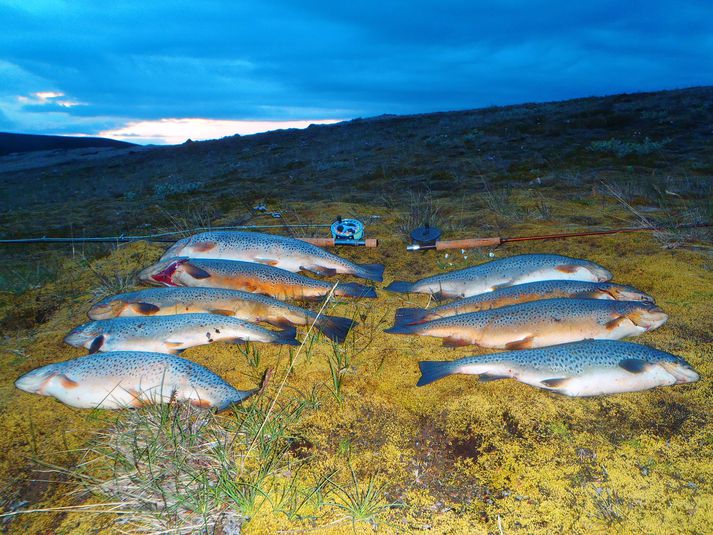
x=218 y=286
x=562 y=315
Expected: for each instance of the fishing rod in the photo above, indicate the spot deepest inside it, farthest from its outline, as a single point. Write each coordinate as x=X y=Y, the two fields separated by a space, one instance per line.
x=427 y=238
x=344 y=232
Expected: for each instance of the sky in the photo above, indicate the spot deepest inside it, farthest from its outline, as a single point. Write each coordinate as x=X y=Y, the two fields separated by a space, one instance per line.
x=154 y=71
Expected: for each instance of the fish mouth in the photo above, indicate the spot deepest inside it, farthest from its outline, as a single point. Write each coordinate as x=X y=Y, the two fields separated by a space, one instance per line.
x=600 y=273
x=162 y=272
x=649 y=318
x=104 y=310
x=175 y=249
x=35 y=381
x=79 y=337
x=681 y=371
x=627 y=293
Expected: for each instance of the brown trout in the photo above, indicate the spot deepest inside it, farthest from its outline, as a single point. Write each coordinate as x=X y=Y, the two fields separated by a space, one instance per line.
x=172 y=334
x=246 y=276
x=587 y=368
x=242 y=305
x=124 y=379
x=272 y=250
x=542 y=323
x=502 y=273
x=522 y=293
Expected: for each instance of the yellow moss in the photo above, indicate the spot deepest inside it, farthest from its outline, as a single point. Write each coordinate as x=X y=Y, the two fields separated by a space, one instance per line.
x=460 y=454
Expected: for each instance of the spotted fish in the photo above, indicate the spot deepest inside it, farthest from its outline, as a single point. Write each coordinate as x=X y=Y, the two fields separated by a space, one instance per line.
x=246 y=276
x=242 y=305
x=587 y=368
x=171 y=334
x=125 y=379
x=502 y=273
x=542 y=323
x=278 y=251
x=523 y=293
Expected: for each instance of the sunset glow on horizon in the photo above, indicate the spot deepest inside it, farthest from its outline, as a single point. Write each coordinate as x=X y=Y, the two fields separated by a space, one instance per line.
x=175 y=131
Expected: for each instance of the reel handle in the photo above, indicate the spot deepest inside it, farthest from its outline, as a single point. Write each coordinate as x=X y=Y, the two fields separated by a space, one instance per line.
x=330 y=242
x=468 y=243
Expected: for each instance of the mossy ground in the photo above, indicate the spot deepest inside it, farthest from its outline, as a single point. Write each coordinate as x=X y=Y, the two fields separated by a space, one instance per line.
x=461 y=456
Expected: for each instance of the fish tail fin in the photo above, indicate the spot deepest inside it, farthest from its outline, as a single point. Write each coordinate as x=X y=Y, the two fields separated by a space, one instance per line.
x=433 y=370
x=334 y=327
x=287 y=336
x=400 y=286
x=353 y=289
x=410 y=316
x=372 y=272
x=403 y=329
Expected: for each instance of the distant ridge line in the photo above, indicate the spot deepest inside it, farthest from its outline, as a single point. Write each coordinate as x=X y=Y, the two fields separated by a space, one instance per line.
x=19 y=143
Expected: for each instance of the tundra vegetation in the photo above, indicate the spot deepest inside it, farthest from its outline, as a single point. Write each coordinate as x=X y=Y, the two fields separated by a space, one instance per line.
x=340 y=440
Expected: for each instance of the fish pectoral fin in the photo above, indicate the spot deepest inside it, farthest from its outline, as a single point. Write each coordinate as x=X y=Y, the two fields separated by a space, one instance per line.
x=320 y=270
x=634 y=365
x=172 y=346
x=235 y=340
x=282 y=323
x=505 y=284
x=440 y=295
x=521 y=344
x=136 y=400
x=204 y=246
x=567 y=268
x=487 y=377
x=201 y=403
x=557 y=382
x=221 y=311
x=266 y=261
x=145 y=309
x=67 y=382
x=616 y=322
x=96 y=344
x=455 y=341
x=195 y=271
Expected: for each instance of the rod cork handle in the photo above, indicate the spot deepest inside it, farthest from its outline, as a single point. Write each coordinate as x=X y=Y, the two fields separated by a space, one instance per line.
x=468 y=243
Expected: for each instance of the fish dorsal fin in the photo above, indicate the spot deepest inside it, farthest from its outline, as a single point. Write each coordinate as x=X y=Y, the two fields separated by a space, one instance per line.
x=487 y=377
x=521 y=344
x=567 y=268
x=204 y=246
x=320 y=270
x=556 y=382
x=266 y=261
x=634 y=365
x=96 y=344
x=195 y=271
x=145 y=309
x=454 y=341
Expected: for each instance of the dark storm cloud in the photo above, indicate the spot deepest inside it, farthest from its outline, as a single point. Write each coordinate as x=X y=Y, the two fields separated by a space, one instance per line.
x=284 y=60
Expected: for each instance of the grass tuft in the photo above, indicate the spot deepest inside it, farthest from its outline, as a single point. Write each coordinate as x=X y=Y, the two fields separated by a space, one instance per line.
x=360 y=501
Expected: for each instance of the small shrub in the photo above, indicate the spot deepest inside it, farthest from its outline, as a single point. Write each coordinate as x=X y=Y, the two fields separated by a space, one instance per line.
x=626 y=148
x=165 y=189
